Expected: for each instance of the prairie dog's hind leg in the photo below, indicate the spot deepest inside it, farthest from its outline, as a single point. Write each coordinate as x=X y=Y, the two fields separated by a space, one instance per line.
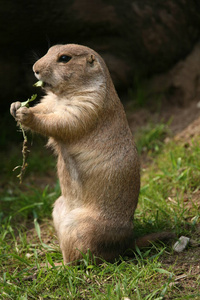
x=69 y=227
x=82 y=229
x=60 y=212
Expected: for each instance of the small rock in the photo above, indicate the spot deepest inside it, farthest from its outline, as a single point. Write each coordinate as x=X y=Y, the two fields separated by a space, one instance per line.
x=28 y=255
x=181 y=244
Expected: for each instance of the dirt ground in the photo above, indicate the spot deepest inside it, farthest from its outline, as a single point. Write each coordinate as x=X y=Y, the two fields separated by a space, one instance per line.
x=184 y=120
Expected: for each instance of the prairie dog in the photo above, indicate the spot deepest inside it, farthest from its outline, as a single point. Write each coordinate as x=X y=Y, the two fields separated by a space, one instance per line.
x=97 y=161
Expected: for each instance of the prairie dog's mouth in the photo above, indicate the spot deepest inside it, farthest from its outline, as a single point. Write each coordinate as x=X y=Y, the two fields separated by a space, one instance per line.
x=39 y=83
x=42 y=84
x=46 y=85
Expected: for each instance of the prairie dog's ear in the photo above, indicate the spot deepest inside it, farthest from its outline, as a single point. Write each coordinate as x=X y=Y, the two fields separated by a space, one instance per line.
x=91 y=58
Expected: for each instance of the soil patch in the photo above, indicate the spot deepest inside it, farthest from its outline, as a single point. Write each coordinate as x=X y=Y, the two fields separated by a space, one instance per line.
x=179 y=118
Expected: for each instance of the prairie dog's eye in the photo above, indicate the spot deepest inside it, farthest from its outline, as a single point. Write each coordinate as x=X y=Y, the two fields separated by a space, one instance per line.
x=64 y=58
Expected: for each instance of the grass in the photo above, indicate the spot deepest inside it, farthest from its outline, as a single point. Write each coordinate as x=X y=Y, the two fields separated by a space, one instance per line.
x=150 y=139
x=169 y=199
x=141 y=95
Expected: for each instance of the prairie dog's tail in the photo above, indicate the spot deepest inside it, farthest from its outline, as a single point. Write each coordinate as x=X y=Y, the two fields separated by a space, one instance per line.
x=146 y=240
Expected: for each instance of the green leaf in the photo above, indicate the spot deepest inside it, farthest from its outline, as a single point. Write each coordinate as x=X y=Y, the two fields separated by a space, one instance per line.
x=26 y=103
x=39 y=83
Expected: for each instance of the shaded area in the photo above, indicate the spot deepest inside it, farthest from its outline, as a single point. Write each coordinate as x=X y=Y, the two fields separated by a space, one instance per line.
x=136 y=39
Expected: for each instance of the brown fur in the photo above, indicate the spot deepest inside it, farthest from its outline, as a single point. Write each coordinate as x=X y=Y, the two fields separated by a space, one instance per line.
x=97 y=163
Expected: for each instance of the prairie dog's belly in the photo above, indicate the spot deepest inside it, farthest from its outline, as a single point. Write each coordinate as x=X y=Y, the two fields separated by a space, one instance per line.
x=70 y=182
x=98 y=177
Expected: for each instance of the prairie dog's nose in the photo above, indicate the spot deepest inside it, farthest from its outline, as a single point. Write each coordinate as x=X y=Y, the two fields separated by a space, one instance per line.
x=36 y=69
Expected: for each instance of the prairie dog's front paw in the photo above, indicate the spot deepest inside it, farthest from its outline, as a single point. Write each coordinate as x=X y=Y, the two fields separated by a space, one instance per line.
x=24 y=115
x=14 y=107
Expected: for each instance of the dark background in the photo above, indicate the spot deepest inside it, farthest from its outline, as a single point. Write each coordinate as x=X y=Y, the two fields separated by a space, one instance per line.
x=147 y=41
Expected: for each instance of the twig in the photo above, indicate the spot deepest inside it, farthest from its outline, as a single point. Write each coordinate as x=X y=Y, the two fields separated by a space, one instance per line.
x=25 y=150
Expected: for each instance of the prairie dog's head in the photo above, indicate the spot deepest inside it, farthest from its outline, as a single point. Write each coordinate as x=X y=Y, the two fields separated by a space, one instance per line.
x=71 y=68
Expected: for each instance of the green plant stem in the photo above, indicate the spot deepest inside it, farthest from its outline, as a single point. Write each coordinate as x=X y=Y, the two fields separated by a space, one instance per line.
x=25 y=150
x=24 y=155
